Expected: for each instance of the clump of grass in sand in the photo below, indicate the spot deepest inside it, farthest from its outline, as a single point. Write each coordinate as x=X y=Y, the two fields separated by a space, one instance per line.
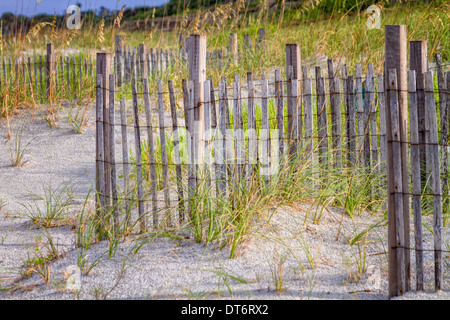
x=51 y=209
x=18 y=149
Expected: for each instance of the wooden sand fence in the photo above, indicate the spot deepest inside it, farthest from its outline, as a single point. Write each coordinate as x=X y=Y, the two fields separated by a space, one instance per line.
x=235 y=132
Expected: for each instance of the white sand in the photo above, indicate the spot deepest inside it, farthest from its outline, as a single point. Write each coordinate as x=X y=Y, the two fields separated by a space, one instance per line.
x=168 y=269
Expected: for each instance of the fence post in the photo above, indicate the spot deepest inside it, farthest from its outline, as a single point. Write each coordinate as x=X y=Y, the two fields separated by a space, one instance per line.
x=382 y=113
x=221 y=173
x=125 y=161
x=293 y=58
x=207 y=143
x=415 y=177
x=359 y=115
x=41 y=83
x=309 y=124
x=252 y=137
x=265 y=133
x=162 y=139
x=239 y=142
x=433 y=153
x=395 y=58
x=294 y=62
x=396 y=178
x=443 y=125
x=418 y=62
x=100 y=159
x=111 y=143
x=280 y=114
x=151 y=153
x=322 y=127
x=370 y=95
x=173 y=112
x=197 y=74
x=138 y=151
x=350 y=123
x=104 y=69
x=336 y=122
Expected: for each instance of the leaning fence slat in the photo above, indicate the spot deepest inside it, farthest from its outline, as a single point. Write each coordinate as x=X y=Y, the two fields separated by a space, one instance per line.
x=335 y=104
x=55 y=70
x=162 y=138
x=137 y=137
x=41 y=82
x=415 y=177
x=366 y=116
x=4 y=69
x=445 y=142
x=112 y=157
x=176 y=141
x=126 y=165
x=10 y=71
x=68 y=76
x=382 y=113
x=192 y=172
x=344 y=87
x=212 y=105
x=151 y=154
x=370 y=92
x=24 y=76
x=350 y=123
x=207 y=135
x=80 y=75
x=292 y=115
x=309 y=125
x=61 y=71
x=35 y=77
x=360 y=115
x=433 y=146
x=229 y=140
x=148 y=63
x=252 y=138
x=444 y=122
x=214 y=129
x=441 y=89
x=207 y=173
x=280 y=114
x=220 y=146
x=322 y=119
x=265 y=132
x=238 y=131
x=99 y=165
x=74 y=80
x=16 y=71
x=91 y=68
x=86 y=69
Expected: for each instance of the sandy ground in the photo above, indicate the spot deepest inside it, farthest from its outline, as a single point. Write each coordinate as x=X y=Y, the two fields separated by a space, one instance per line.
x=286 y=257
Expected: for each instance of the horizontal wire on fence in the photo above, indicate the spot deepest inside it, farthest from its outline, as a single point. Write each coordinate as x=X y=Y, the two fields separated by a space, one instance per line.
x=424 y=250
x=284 y=96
